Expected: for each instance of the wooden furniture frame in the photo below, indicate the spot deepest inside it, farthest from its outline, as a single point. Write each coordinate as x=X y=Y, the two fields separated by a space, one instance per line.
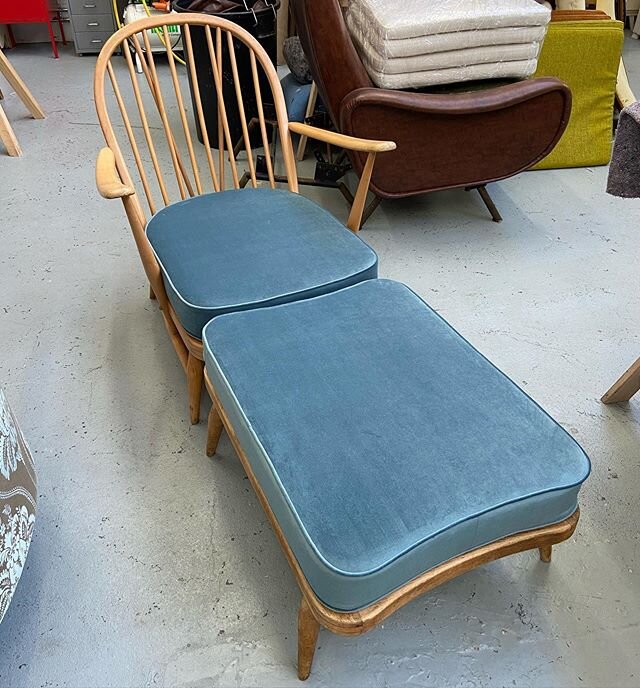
x=114 y=178
x=625 y=386
x=7 y=135
x=313 y=613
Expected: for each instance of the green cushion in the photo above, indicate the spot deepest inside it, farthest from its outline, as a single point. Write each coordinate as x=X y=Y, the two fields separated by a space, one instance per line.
x=585 y=55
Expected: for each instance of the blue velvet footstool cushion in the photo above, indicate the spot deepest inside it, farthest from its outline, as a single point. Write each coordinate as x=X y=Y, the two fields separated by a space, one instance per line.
x=384 y=442
x=242 y=249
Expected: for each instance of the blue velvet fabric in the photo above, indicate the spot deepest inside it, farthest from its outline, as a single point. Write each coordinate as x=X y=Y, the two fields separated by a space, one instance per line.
x=242 y=249
x=296 y=96
x=384 y=442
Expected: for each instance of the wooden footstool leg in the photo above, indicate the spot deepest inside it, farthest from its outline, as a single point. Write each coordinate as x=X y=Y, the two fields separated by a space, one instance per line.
x=195 y=377
x=214 y=430
x=308 y=629
x=545 y=553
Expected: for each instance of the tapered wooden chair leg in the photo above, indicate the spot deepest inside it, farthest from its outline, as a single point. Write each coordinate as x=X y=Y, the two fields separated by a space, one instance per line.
x=545 y=553
x=195 y=377
x=625 y=387
x=308 y=629
x=488 y=201
x=214 y=431
x=7 y=137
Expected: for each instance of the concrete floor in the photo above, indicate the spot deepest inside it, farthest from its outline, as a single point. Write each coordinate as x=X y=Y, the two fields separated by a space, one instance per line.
x=154 y=566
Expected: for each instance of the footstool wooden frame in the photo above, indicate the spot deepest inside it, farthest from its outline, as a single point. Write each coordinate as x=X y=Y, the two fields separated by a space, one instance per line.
x=313 y=613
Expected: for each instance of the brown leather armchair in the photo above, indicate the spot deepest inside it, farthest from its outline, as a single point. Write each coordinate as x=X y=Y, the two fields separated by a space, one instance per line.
x=444 y=140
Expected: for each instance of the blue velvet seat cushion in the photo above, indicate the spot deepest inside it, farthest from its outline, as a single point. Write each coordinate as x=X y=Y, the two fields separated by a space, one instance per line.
x=384 y=442
x=242 y=249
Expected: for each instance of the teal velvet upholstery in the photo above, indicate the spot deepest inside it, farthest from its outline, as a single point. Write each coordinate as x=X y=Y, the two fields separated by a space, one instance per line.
x=242 y=249
x=384 y=442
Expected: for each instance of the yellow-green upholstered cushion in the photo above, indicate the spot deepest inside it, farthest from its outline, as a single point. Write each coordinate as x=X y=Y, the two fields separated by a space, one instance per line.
x=585 y=55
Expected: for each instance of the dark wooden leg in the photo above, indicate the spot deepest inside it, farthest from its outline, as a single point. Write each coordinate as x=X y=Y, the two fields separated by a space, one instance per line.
x=195 y=377
x=545 y=553
x=488 y=201
x=308 y=629
x=12 y=38
x=214 y=430
x=625 y=387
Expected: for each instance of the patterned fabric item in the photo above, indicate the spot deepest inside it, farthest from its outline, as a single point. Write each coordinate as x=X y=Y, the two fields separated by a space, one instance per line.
x=17 y=503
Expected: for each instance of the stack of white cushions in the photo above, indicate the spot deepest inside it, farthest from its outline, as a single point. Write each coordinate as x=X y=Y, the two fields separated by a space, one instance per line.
x=416 y=43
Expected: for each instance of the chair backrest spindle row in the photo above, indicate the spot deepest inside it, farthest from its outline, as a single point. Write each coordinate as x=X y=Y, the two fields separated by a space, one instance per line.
x=158 y=122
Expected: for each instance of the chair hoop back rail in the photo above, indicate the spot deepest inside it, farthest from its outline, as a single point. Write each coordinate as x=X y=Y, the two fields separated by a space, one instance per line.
x=151 y=158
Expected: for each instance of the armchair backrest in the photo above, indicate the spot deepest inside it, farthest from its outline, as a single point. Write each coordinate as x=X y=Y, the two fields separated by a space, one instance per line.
x=335 y=64
x=155 y=120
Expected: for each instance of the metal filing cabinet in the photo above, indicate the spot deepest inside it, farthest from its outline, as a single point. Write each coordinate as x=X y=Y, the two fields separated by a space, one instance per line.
x=93 y=23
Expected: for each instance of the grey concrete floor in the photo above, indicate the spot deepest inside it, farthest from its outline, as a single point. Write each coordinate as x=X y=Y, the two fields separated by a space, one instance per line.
x=155 y=566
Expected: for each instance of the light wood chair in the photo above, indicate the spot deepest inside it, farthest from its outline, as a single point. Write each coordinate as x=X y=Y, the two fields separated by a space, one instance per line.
x=7 y=135
x=159 y=145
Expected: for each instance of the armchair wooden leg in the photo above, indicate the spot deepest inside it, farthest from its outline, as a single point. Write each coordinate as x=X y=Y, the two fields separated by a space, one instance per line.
x=545 y=553
x=214 y=430
x=625 y=387
x=488 y=201
x=195 y=377
x=308 y=629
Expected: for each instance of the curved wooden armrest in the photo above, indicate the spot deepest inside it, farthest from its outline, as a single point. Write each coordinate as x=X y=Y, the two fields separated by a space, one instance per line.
x=107 y=178
x=341 y=140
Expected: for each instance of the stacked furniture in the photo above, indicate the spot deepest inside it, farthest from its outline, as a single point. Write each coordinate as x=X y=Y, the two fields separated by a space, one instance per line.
x=402 y=46
x=389 y=455
x=444 y=140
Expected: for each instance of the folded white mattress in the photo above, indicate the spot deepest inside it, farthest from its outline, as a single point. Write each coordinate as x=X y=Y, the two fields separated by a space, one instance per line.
x=516 y=69
x=401 y=19
x=442 y=42
x=466 y=57
x=418 y=43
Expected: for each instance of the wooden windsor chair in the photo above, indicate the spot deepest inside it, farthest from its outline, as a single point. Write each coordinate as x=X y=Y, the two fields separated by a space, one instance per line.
x=209 y=247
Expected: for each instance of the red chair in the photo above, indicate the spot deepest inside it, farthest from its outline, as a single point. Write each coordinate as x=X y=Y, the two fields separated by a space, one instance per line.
x=31 y=12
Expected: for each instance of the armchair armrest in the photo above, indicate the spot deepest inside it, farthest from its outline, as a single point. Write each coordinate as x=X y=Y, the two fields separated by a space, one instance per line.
x=369 y=146
x=341 y=140
x=462 y=103
x=107 y=177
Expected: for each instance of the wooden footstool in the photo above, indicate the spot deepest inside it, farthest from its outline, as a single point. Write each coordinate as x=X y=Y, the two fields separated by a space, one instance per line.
x=389 y=455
